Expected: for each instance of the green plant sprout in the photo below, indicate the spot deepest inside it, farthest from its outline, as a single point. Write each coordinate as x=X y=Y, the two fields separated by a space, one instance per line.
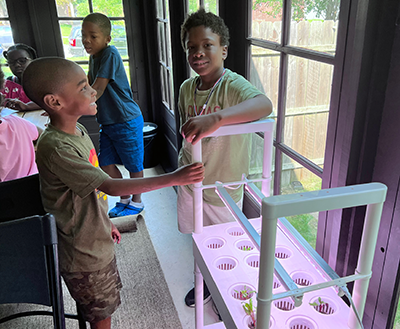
x=244 y=293
x=319 y=305
x=248 y=248
x=250 y=310
x=248 y=307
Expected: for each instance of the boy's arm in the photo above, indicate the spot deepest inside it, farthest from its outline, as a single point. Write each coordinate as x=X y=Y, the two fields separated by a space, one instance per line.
x=100 y=85
x=189 y=174
x=201 y=126
x=18 y=105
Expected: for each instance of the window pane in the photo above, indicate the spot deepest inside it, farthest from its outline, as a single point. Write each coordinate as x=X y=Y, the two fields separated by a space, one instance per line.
x=211 y=6
x=296 y=179
x=6 y=70
x=128 y=71
x=307 y=106
x=69 y=8
x=256 y=160
x=72 y=40
x=267 y=20
x=160 y=9
x=3 y=9
x=161 y=41
x=397 y=318
x=193 y=6
x=110 y=8
x=314 y=26
x=118 y=37
x=6 y=37
x=264 y=73
x=163 y=84
x=171 y=91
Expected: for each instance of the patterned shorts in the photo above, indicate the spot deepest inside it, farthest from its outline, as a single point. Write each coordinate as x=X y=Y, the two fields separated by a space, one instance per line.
x=96 y=293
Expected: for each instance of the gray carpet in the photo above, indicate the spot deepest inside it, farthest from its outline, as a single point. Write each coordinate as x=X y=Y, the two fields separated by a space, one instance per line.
x=146 y=300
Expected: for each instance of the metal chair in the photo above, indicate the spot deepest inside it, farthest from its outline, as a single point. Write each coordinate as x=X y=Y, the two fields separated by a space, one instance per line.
x=29 y=269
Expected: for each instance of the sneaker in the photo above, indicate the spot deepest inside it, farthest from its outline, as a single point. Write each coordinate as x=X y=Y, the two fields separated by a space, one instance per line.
x=130 y=210
x=114 y=212
x=189 y=298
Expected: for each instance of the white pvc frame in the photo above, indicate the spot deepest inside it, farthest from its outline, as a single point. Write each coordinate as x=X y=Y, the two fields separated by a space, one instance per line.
x=373 y=195
x=265 y=126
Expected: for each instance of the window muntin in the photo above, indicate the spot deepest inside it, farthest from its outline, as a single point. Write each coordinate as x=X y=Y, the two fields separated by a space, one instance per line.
x=165 y=55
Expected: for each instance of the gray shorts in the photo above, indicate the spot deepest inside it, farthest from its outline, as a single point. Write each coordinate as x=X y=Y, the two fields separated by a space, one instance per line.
x=96 y=293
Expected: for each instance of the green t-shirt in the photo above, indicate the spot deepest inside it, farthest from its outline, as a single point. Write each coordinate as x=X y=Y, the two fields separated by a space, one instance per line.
x=225 y=158
x=69 y=178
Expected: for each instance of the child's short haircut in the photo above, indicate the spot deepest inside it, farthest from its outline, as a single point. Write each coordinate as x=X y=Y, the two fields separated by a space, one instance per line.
x=102 y=21
x=214 y=22
x=22 y=46
x=44 y=76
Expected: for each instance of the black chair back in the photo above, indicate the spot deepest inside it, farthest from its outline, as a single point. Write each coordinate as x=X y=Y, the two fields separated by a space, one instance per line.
x=20 y=198
x=29 y=271
x=29 y=265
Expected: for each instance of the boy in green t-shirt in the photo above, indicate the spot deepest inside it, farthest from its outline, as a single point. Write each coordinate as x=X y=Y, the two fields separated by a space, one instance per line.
x=74 y=188
x=214 y=98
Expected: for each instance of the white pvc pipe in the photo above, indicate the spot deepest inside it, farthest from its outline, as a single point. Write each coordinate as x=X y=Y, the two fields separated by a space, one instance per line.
x=266 y=272
x=365 y=260
x=197 y=193
x=198 y=228
x=198 y=293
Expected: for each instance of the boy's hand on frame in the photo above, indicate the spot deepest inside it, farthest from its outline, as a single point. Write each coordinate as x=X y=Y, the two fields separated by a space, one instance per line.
x=189 y=174
x=199 y=127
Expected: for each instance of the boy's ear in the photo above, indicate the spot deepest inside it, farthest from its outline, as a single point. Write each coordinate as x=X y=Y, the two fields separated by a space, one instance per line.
x=224 y=52
x=52 y=102
x=108 y=40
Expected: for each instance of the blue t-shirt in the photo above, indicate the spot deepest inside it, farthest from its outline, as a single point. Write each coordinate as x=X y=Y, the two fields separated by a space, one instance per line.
x=116 y=105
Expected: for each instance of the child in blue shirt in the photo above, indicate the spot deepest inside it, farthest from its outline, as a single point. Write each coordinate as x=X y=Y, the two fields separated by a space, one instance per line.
x=120 y=118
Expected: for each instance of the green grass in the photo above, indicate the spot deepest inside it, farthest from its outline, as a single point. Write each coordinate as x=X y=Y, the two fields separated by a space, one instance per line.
x=397 y=318
x=65 y=31
x=306 y=224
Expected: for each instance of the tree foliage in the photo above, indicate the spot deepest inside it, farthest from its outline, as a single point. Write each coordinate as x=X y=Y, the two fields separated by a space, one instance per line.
x=324 y=9
x=111 y=8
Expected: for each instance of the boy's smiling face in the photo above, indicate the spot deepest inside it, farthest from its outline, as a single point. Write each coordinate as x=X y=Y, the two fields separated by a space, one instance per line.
x=77 y=97
x=205 y=53
x=93 y=38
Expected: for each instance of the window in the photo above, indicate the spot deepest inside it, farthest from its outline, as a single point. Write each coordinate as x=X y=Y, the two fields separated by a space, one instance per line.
x=6 y=36
x=70 y=16
x=293 y=47
x=164 y=55
x=208 y=5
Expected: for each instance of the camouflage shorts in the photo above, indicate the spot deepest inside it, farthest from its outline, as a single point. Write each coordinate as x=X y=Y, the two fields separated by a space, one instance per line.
x=96 y=293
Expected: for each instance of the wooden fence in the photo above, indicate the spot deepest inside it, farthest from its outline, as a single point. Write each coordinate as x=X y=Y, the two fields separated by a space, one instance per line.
x=308 y=90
